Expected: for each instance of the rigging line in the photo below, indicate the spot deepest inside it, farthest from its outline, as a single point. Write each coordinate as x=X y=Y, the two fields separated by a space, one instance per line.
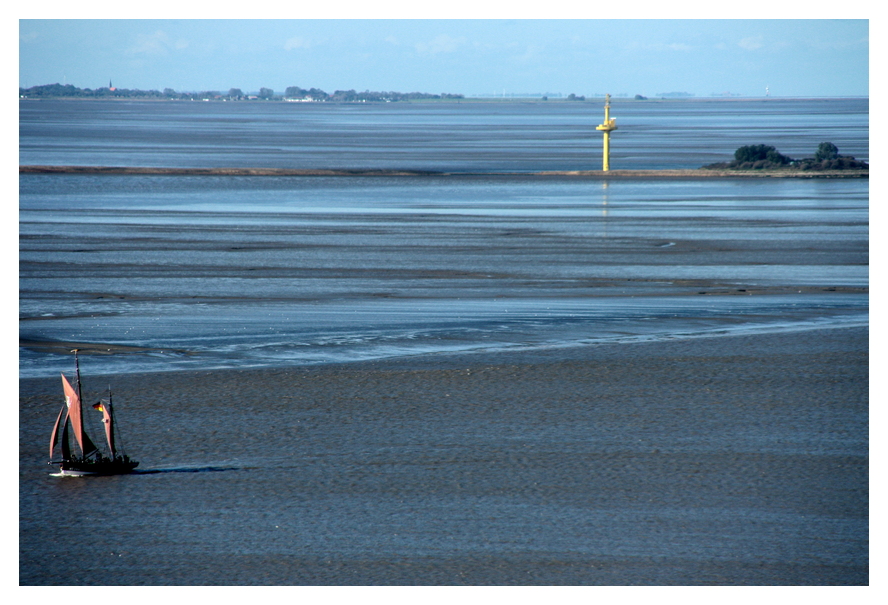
x=77 y=367
x=120 y=446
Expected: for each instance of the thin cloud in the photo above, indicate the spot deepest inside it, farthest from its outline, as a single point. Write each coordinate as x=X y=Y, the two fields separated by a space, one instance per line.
x=441 y=44
x=296 y=43
x=659 y=46
x=751 y=43
x=157 y=43
x=838 y=44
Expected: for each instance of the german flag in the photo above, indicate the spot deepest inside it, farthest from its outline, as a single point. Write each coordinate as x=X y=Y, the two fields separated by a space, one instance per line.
x=98 y=406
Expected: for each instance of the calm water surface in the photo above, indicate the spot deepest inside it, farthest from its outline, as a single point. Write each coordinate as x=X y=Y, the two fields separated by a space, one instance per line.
x=223 y=272
x=511 y=137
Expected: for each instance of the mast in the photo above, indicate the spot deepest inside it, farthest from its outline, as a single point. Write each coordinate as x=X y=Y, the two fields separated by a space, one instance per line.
x=77 y=367
x=75 y=413
x=66 y=446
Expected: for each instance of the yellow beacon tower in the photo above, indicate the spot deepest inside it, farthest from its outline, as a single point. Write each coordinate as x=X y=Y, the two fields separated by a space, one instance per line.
x=609 y=124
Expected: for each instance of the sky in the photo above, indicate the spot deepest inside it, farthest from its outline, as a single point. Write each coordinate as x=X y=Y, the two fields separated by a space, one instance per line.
x=788 y=58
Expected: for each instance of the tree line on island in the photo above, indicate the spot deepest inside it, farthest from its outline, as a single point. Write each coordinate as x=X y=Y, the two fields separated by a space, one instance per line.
x=292 y=93
x=766 y=157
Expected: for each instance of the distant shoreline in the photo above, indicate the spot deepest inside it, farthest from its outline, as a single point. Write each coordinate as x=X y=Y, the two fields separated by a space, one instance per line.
x=588 y=99
x=697 y=173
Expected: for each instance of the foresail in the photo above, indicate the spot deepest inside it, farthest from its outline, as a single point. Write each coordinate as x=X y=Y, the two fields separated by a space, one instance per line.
x=55 y=430
x=76 y=417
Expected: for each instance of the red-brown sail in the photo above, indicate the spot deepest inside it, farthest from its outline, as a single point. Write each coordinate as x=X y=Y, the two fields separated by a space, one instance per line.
x=76 y=417
x=108 y=420
x=55 y=429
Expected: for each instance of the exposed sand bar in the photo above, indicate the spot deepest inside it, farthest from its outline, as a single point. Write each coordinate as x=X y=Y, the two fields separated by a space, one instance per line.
x=598 y=174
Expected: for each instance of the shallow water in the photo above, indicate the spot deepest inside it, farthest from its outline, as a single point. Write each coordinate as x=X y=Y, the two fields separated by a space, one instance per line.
x=512 y=137
x=706 y=461
x=233 y=271
x=652 y=391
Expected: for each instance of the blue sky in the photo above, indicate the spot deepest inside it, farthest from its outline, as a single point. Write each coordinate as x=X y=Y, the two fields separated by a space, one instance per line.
x=581 y=56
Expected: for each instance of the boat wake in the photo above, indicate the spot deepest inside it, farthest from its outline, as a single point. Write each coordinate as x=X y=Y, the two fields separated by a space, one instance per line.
x=185 y=469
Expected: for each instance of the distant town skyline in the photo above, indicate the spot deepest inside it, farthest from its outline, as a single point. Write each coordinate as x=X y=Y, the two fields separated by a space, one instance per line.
x=470 y=57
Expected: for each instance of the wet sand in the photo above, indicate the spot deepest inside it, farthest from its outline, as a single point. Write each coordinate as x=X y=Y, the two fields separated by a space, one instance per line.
x=731 y=460
x=611 y=174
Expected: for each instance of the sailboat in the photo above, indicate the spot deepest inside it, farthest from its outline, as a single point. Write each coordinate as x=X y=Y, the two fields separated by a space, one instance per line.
x=92 y=460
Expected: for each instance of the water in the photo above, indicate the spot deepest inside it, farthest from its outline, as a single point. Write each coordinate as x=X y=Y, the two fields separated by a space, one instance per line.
x=234 y=272
x=511 y=137
x=636 y=474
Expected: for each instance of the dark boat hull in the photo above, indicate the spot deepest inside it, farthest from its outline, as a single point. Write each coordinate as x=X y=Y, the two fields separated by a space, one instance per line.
x=105 y=466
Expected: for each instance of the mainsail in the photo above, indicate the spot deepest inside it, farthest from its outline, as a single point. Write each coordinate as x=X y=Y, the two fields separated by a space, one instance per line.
x=75 y=417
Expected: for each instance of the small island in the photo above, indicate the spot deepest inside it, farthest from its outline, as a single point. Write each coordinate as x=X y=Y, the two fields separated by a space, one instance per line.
x=766 y=157
x=761 y=161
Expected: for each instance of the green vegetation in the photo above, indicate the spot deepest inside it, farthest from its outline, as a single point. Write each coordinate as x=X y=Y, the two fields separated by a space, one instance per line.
x=758 y=153
x=826 y=151
x=766 y=157
x=292 y=93
x=67 y=91
x=351 y=96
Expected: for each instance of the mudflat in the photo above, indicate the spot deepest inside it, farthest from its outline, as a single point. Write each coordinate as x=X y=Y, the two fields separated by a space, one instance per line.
x=699 y=173
x=723 y=460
